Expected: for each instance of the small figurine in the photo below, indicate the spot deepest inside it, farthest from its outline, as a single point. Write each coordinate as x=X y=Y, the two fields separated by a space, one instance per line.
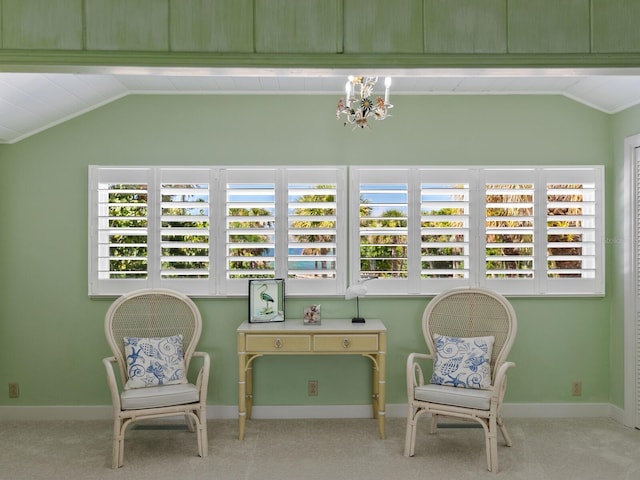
x=312 y=315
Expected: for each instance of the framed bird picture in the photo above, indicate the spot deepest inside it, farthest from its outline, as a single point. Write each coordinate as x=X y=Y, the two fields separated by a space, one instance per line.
x=266 y=300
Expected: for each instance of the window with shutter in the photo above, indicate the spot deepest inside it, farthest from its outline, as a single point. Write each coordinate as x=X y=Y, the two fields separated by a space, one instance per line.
x=444 y=230
x=312 y=231
x=206 y=231
x=184 y=230
x=250 y=228
x=520 y=231
x=509 y=230
x=315 y=209
x=120 y=222
x=574 y=230
x=384 y=230
x=123 y=231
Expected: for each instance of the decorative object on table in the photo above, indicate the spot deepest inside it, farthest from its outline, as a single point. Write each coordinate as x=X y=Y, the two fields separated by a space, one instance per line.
x=358 y=110
x=356 y=291
x=266 y=300
x=312 y=315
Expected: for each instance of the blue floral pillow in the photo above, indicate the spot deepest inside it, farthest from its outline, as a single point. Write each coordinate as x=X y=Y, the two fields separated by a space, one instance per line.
x=154 y=361
x=462 y=362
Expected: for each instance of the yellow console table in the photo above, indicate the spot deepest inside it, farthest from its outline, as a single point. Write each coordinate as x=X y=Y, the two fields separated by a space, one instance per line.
x=293 y=337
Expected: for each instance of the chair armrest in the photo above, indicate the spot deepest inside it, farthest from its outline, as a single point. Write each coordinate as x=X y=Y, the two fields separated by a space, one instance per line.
x=108 y=363
x=500 y=382
x=202 y=383
x=415 y=376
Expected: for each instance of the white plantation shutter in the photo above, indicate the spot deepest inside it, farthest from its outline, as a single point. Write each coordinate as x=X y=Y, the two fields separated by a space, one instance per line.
x=316 y=205
x=445 y=229
x=509 y=230
x=573 y=234
x=119 y=220
x=185 y=222
x=149 y=228
x=380 y=240
x=250 y=226
x=185 y=230
x=520 y=231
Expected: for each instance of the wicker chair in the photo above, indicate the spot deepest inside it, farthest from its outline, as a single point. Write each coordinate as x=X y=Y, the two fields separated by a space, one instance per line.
x=463 y=312
x=155 y=313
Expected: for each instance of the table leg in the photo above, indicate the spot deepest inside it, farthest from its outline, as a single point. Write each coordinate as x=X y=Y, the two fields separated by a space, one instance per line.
x=382 y=354
x=249 y=395
x=242 y=386
x=375 y=384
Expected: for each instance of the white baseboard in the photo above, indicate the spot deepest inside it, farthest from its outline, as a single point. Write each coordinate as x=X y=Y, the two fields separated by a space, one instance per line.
x=220 y=412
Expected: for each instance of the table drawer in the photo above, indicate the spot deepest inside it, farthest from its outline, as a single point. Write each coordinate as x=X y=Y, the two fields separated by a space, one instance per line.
x=346 y=343
x=278 y=343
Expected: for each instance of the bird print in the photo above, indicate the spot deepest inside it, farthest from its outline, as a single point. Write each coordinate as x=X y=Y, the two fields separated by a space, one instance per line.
x=267 y=299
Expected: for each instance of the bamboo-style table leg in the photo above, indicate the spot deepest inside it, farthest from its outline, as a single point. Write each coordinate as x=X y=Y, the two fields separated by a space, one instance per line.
x=381 y=374
x=249 y=377
x=375 y=384
x=242 y=385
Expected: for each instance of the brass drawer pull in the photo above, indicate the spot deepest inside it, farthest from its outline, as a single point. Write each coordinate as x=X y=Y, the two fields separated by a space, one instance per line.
x=278 y=343
x=346 y=343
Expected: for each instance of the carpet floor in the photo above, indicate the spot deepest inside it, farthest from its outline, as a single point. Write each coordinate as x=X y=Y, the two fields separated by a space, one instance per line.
x=562 y=449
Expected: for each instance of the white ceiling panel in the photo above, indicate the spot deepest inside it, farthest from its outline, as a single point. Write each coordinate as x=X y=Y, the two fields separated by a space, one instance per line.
x=145 y=83
x=32 y=102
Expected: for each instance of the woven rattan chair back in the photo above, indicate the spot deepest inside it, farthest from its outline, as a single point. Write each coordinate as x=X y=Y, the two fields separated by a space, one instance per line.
x=152 y=314
x=472 y=312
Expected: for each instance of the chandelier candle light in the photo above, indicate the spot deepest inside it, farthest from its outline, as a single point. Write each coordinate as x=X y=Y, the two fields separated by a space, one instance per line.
x=359 y=109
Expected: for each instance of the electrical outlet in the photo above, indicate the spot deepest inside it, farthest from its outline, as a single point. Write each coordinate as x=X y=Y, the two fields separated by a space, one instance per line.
x=312 y=388
x=576 y=388
x=14 y=390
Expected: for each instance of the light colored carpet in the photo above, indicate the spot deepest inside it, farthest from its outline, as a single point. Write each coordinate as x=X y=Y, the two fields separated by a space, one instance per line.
x=562 y=449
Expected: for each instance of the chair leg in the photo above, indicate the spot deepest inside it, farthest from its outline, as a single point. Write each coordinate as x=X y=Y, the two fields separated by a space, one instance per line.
x=204 y=440
x=190 y=423
x=115 y=448
x=505 y=434
x=199 y=419
x=410 y=436
x=492 y=445
x=119 y=427
x=434 y=424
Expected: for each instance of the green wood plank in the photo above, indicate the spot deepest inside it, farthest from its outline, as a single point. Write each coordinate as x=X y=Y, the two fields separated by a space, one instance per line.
x=465 y=26
x=298 y=26
x=549 y=26
x=383 y=26
x=211 y=25
x=50 y=24
x=616 y=26
x=136 y=25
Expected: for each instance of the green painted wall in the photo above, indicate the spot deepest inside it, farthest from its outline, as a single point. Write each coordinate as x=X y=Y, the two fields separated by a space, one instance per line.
x=323 y=33
x=51 y=333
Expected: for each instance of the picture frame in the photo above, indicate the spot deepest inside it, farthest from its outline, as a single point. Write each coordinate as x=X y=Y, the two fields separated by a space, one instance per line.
x=266 y=300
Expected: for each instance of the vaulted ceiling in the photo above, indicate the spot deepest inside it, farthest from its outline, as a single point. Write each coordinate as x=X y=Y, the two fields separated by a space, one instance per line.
x=33 y=102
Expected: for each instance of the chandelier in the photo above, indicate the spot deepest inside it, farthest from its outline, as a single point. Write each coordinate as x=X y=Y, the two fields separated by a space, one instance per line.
x=359 y=109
